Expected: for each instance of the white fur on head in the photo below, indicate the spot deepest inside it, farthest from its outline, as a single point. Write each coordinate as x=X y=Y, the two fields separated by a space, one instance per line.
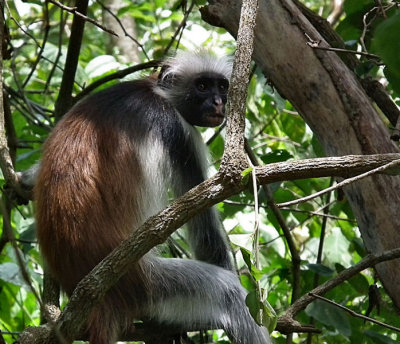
x=189 y=63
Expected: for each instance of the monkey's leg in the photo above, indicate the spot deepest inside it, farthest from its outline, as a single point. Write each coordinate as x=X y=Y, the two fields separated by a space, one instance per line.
x=191 y=293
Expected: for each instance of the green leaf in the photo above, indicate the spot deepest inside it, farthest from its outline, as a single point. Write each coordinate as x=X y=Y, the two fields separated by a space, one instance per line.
x=320 y=269
x=247 y=282
x=254 y=305
x=247 y=171
x=351 y=27
x=394 y=80
x=10 y=272
x=337 y=248
x=357 y=6
x=360 y=284
x=269 y=318
x=246 y=257
x=386 y=43
x=242 y=240
x=276 y=156
x=246 y=174
x=379 y=338
x=256 y=273
x=101 y=65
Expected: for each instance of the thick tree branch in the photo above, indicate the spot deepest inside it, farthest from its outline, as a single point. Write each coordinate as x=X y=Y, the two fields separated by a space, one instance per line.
x=234 y=158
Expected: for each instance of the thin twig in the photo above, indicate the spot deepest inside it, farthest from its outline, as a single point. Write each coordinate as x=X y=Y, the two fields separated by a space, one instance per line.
x=62 y=21
x=366 y=24
x=347 y=51
x=85 y=18
x=6 y=163
x=316 y=213
x=367 y=262
x=123 y=28
x=312 y=213
x=24 y=272
x=320 y=251
x=180 y=27
x=365 y=27
x=117 y=75
x=341 y=184
x=355 y=314
x=41 y=48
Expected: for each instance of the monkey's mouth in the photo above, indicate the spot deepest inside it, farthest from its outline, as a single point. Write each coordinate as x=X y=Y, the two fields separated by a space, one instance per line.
x=215 y=119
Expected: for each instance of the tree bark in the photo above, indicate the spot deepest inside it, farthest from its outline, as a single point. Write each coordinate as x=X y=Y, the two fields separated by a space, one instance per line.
x=129 y=51
x=333 y=103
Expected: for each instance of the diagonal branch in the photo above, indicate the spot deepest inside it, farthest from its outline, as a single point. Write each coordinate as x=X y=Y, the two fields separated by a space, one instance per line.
x=75 y=11
x=355 y=314
x=369 y=261
x=286 y=323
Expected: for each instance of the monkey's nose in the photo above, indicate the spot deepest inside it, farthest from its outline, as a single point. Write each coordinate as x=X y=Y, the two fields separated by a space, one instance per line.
x=217 y=100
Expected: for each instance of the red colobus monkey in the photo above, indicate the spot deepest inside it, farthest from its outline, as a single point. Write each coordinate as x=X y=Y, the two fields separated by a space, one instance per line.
x=107 y=167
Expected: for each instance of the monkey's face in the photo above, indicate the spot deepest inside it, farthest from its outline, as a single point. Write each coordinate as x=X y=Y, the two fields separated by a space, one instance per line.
x=204 y=101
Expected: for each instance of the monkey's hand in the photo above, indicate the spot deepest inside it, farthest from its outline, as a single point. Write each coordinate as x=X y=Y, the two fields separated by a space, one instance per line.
x=24 y=193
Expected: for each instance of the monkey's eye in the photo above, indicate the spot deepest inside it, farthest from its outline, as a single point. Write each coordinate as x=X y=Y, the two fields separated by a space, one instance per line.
x=201 y=87
x=223 y=88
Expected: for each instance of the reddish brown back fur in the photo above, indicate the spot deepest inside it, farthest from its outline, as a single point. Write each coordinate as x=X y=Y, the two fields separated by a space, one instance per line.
x=86 y=205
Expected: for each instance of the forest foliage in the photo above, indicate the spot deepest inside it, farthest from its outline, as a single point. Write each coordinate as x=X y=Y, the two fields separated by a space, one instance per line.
x=324 y=229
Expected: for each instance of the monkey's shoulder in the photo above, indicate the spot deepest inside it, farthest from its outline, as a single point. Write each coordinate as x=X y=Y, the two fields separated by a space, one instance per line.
x=131 y=92
x=127 y=101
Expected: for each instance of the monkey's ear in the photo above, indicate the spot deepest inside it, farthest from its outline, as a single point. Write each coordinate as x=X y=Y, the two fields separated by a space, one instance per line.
x=165 y=79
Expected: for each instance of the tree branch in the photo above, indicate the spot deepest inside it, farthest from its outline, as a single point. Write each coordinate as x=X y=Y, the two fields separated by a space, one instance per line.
x=234 y=156
x=355 y=314
x=64 y=100
x=75 y=11
x=342 y=184
x=117 y=75
x=6 y=163
x=369 y=261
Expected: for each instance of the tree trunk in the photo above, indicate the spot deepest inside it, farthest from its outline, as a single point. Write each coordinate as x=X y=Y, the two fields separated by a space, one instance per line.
x=333 y=103
x=127 y=47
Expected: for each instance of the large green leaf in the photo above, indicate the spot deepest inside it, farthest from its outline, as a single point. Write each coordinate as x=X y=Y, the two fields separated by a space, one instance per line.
x=386 y=44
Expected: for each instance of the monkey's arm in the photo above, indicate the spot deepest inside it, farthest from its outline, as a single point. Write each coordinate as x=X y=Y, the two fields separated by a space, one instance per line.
x=205 y=233
x=28 y=177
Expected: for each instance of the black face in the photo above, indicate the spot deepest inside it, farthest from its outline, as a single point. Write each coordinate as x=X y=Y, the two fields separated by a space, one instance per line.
x=204 y=101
